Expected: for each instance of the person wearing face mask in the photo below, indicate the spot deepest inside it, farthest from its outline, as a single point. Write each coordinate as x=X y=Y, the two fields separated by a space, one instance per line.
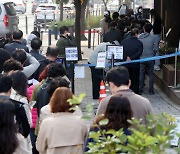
x=138 y=15
x=65 y=40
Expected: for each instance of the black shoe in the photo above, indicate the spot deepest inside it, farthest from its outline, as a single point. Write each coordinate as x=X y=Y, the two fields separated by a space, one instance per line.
x=151 y=93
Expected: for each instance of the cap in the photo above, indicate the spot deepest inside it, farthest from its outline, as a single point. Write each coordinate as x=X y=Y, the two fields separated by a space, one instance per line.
x=106 y=13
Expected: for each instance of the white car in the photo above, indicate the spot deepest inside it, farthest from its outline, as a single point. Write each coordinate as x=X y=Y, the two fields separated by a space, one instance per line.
x=20 y=6
x=8 y=18
x=47 y=13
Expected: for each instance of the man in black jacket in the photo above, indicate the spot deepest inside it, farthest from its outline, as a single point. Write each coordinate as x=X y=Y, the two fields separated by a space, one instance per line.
x=112 y=34
x=16 y=43
x=21 y=118
x=132 y=50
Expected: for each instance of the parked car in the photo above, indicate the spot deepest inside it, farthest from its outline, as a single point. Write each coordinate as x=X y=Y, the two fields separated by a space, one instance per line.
x=20 y=6
x=8 y=18
x=47 y=13
x=35 y=4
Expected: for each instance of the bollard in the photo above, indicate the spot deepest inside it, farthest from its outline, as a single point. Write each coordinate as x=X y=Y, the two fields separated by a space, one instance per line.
x=45 y=22
x=89 y=38
x=42 y=36
x=93 y=37
x=49 y=37
x=26 y=24
x=35 y=26
x=54 y=16
x=55 y=31
x=39 y=27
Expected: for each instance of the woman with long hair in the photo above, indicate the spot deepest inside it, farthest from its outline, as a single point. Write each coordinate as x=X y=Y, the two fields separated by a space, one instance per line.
x=11 y=142
x=63 y=132
x=19 y=92
x=118 y=112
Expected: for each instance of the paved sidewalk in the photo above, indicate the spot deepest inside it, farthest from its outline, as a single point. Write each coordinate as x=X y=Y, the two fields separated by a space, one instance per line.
x=160 y=102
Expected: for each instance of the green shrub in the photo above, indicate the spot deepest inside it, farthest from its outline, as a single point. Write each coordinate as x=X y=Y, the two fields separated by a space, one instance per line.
x=68 y=23
x=93 y=21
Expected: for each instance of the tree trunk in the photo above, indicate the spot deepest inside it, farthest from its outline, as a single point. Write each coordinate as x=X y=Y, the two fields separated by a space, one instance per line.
x=61 y=10
x=77 y=4
x=83 y=8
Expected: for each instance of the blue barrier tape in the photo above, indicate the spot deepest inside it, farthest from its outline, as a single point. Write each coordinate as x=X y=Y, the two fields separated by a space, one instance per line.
x=138 y=60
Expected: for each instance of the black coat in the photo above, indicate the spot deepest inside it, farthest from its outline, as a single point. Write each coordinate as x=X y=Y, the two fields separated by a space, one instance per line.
x=112 y=35
x=15 y=45
x=37 y=55
x=132 y=48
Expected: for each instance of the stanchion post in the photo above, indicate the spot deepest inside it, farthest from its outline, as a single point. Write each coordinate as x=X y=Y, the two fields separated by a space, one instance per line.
x=112 y=60
x=98 y=37
x=55 y=31
x=175 y=69
x=49 y=37
x=89 y=38
x=26 y=24
x=93 y=37
x=72 y=82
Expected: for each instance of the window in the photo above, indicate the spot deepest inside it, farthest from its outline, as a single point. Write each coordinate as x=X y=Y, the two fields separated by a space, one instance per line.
x=10 y=9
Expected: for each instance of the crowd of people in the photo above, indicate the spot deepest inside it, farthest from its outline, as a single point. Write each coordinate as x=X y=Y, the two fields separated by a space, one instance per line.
x=140 y=39
x=35 y=116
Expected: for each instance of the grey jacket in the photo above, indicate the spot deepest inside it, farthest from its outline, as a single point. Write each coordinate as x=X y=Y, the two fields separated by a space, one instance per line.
x=149 y=45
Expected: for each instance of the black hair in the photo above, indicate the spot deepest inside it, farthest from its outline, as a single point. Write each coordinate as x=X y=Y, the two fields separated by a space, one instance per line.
x=107 y=17
x=5 y=83
x=63 y=29
x=17 y=35
x=118 y=112
x=55 y=70
x=134 y=31
x=115 y=15
x=8 y=129
x=19 y=55
x=56 y=83
x=52 y=51
x=119 y=76
x=20 y=83
x=4 y=55
x=12 y=64
x=36 y=43
x=148 y=27
x=112 y=24
x=121 y=25
x=36 y=33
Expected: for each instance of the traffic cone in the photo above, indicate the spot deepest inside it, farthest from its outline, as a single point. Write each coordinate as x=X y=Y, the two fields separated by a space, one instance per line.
x=102 y=92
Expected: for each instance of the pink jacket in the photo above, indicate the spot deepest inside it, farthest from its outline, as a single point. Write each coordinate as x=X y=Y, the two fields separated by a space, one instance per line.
x=34 y=109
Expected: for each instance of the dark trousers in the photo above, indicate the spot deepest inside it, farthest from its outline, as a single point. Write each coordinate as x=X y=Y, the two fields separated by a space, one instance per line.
x=149 y=67
x=33 y=141
x=97 y=76
x=134 y=77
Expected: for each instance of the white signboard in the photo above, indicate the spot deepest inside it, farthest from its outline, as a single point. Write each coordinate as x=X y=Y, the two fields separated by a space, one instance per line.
x=71 y=54
x=101 y=60
x=116 y=50
x=79 y=72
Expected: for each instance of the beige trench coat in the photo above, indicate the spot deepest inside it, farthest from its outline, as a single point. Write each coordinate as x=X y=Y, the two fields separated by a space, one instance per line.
x=62 y=133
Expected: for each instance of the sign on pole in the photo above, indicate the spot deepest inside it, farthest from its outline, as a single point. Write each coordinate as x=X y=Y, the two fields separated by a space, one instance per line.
x=101 y=59
x=116 y=50
x=71 y=54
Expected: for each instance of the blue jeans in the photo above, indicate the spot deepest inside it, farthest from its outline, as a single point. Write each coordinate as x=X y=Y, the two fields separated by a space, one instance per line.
x=149 y=67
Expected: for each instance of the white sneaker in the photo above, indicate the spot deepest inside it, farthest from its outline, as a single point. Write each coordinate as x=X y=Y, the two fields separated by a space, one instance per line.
x=157 y=68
